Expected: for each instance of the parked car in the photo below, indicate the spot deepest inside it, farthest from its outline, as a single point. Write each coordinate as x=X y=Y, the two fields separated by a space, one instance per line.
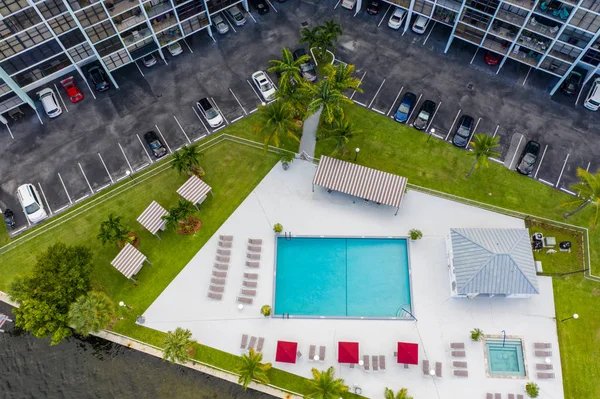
x=50 y=103
x=463 y=131
x=397 y=18
x=72 y=90
x=237 y=15
x=406 y=106
x=491 y=58
x=572 y=83
x=209 y=112
x=31 y=203
x=349 y=4
x=264 y=85
x=592 y=100
x=175 y=49
x=156 y=146
x=261 y=6
x=528 y=158
x=373 y=7
x=307 y=69
x=420 y=25
x=149 y=60
x=424 y=116
x=219 y=23
x=98 y=77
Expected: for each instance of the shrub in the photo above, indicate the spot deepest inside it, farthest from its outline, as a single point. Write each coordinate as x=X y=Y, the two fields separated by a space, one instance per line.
x=415 y=234
x=476 y=334
x=532 y=389
x=265 y=310
x=278 y=228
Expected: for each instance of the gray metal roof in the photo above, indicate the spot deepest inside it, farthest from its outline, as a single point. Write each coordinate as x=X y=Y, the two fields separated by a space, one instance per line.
x=493 y=261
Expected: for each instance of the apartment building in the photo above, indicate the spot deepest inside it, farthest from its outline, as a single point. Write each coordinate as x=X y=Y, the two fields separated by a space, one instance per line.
x=43 y=40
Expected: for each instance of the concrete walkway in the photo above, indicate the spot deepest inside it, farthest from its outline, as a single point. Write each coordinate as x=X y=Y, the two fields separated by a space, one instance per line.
x=309 y=133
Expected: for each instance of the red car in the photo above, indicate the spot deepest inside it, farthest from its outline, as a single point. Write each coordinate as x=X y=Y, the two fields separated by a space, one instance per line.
x=73 y=91
x=492 y=58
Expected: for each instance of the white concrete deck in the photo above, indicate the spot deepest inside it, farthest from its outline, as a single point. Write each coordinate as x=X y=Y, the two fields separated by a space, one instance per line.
x=286 y=197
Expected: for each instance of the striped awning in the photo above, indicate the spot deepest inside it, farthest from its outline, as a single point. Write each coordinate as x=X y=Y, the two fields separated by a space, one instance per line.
x=360 y=181
x=194 y=189
x=152 y=217
x=129 y=261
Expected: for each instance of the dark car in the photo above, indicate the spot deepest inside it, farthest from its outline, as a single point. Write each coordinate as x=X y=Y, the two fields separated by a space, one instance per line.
x=424 y=116
x=98 y=77
x=572 y=83
x=261 y=6
x=373 y=7
x=528 y=158
x=156 y=146
x=307 y=69
x=406 y=106
x=463 y=131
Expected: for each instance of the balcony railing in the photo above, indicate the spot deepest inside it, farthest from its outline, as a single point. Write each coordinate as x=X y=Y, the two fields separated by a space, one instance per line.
x=533 y=43
x=493 y=45
x=542 y=29
x=136 y=36
x=526 y=4
x=510 y=17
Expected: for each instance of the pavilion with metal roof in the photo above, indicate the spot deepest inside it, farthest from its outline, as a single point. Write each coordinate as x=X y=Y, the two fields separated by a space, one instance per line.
x=152 y=218
x=129 y=261
x=491 y=262
x=194 y=190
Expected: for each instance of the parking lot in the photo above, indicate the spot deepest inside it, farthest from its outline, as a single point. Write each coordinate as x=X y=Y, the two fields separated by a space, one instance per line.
x=98 y=141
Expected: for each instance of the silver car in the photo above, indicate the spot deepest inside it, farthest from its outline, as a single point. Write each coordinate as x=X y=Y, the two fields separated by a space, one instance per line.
x=237 y=15
x=220 y=24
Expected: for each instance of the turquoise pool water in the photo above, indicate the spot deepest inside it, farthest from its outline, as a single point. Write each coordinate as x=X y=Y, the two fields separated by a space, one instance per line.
x=337 y=277
x=505 y=360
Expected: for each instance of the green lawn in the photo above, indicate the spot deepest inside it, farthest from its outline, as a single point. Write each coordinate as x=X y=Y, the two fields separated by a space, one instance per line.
x=387 y=145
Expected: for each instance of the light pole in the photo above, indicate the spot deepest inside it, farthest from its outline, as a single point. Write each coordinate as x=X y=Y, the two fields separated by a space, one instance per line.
x=431 y=132
x=356 y=155
x=122 y=304
x=575 y=316
x=128 y=173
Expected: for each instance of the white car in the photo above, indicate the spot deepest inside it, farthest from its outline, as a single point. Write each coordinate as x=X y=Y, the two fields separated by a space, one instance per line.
x=592 y=100
x=264 y=85
x=209 y=112
x=349 y=4
x=219 y=23
x=175 y=49
x=397 y=18
x=420 y=25
x=50 y=103
x=149 y=60
x=237 y=15
x=31 y=203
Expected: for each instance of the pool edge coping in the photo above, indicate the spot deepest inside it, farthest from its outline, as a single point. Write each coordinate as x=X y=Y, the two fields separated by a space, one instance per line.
x=486 y=361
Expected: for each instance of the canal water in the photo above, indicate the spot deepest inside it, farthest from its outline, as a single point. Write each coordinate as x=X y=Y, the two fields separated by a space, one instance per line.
x=94 y=368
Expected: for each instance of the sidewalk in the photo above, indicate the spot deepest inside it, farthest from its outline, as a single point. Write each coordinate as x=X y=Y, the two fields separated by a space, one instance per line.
x=309 y=133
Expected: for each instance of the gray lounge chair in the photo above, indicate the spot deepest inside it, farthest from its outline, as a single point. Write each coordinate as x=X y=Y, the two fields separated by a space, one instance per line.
x=438 y=369
x=261 y=343
x=252 y=342
x=222 y=259
x=366 y=363
x=497 y=396
x=351 y=366
x=425 y=367
x=220 y=266
x=225 y=244
x=244 y=341
x=511 y=396
x=248 y=292
x=225 y=238
x=224 y=252
x=375 y=363
x=406 y=365
x=254 y=265
x=543 y=366
x=459 y=354
x=545 y=375
x=459 y=364
x=242 y=299
x=489 y=396
x=298 y=354
x=254 y=248
x=519 y=396
x=219 y=274
x=215 y=296
x=255 y=241
x=251 y=276
x=218 y=281
x=382 y=363
x=311 y=352
x=249 y=284
x=457 y=345
x=253 y=256
x=543 y=353
x=216 y=288
x=321 y=353
x=542 y=345
x=461 y=373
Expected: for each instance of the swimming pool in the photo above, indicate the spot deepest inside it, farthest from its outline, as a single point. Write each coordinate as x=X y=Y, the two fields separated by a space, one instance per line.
x=342 y=277
x=505 y=359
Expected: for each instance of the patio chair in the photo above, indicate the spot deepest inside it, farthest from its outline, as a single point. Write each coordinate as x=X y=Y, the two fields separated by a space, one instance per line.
x=382 y=363
x=219 y=274
x=438 y=369
x=224 y=252
x=244 y=341
x=298 y=354
x=351 y=366
x=218 y=281
x=321 y=353
x=406 y=365
x=214 y=296
x=457 y=345
x=225 y=244
x=216 y=288
x=220 y=266
x=248 y=292
x=549 y=242
x=497 y=396
x=459 y=354
x=519 y=396
x=226 y=238
x=425 y=367
x=254 y=248
x=545 y=375
x=254 y=265
x=251 y=276
x=542 y=345
x=543 y=353
x=375 y=363
x=459 y=364
x=311 y=352
x=543 y=366
x=249 y=284
x=252 y=342
x=255 y=241
x=253 y=256
x=247 y=301
x=366 y=363
x=261 y=343
x=489 y=396
x=511 y=396
x=461 y=373
x=222 y=259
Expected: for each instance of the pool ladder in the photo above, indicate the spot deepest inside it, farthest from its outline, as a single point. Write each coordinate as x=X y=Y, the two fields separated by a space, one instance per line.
x=287 y=237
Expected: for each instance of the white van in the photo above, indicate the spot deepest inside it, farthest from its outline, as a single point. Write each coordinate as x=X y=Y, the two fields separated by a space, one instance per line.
x=349 y=4
x=592 y=100
x=420 y=25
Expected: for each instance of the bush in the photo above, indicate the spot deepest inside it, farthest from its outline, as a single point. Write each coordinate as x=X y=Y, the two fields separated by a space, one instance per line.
x=265 y=310
x=532 y=389
x=278 y=228
x=476 y=334
x=415 y=234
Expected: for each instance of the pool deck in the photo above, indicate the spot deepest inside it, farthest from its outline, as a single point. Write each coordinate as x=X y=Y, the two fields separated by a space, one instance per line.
x=286 y=197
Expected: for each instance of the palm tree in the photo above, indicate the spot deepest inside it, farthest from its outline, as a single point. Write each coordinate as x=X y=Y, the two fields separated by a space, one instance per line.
x=251 y=368
x=178 y=213
x=325 y=386
x=333 y=29
x=187 y=160
x=310 y=36
x=340 y=133
x=326 y=96
x=178 y=345
x=588 y=191
x=91 y=313
x=483 y=147
x=274 y=121
x=288 y=69
x=112 y=230
x=402 y=394
x=343 y=78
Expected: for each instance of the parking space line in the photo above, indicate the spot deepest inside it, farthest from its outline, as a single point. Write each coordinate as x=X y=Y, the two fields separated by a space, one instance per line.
x=130 y=168
x=65 y=187
x=540 y=164
x=163 y=137
x=82 y=198
x=85 y=177
x=102 y=188
x=562 y=170
x=252 y=16
x=414 y=108
x=45 y=199
x=568 y=191
x=144 y=147
x=105 y=168
x=237 y=119
x=588 y=167
x=200 y=138
x=386 y=11
x=15 y=232
x=546 y=182
x=61 y=208
x=217 y=129
x=452 y=126
x=496 y=160
x=181 y=127
x=61 y=99
x=515 y=154
x=213 y=39
x=495 y=131
x=219 y=109
x=139 y=69
x=429 y=34
x=378 y=111
x=9 y=132
x=229 y=22
x=238 y=101
x=188 y=46
x=254 y=110
x=359 y=103
x=361 y=79
x=142 y=167
x=433 y=117
x=272 y=6
x=377 y=92
x=337 y=4
x=252 y=87
x=201 y=121
x=526 y=76
x=395 y=99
